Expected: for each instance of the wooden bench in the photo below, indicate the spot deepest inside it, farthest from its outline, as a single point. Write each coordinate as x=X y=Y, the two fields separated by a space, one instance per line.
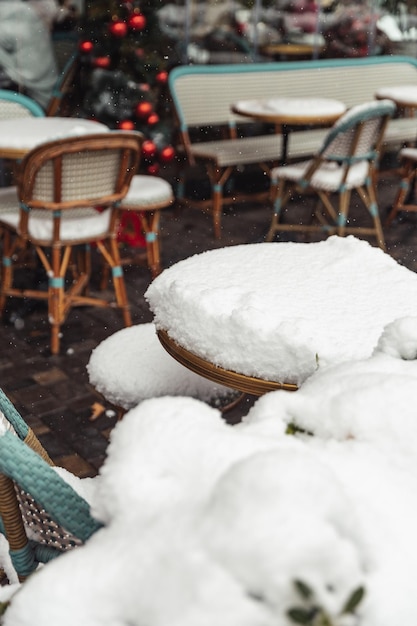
x=202 y=98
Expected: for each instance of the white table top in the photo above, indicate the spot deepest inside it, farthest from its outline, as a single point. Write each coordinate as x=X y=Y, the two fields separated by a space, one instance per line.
x=403 y=95
x=292 y=110
x=21 y=135
x=277 y=311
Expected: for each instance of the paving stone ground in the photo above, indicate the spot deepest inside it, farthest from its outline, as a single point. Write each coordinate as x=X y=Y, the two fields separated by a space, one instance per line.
x=53 y=392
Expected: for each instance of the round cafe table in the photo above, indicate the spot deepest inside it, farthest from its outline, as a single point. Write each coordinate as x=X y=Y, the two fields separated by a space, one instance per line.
x=263 y=317
x=404 y=96
x=17 y=137
x=288 y=112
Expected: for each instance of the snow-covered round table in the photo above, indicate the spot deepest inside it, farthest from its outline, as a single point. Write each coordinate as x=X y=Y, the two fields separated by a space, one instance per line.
x=19 y=136
x=273 y=313
x=288 y=112
x=404 y=96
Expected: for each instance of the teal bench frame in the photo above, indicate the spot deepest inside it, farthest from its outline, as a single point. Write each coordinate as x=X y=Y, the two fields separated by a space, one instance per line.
x=202 y=95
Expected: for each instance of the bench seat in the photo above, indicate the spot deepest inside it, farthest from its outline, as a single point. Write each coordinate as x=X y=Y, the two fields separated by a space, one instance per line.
x=244 y=151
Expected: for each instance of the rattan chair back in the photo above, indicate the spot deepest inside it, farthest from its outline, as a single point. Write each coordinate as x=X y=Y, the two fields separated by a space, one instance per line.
x=357 y=135
x=40 y=514
x=16 y=105
x=69 y=192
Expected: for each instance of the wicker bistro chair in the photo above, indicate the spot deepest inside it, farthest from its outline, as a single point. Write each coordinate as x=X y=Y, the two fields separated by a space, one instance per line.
x=61 y=184
x=347 y=161
x=405 y=198
x=147 y=196
x=14 y=105
x=41 y=515
x=58 y=104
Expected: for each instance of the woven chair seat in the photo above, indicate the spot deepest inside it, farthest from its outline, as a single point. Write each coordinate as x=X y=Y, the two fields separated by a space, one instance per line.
x=328 y=177
x=408 y=153
x=76 y=224
x=405 y=197
x=147 y=192
x=131 y=366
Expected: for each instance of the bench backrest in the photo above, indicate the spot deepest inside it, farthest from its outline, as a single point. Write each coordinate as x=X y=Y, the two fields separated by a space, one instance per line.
x=202 y=95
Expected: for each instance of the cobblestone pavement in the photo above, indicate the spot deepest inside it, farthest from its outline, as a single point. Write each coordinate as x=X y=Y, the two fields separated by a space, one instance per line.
x=53 y=392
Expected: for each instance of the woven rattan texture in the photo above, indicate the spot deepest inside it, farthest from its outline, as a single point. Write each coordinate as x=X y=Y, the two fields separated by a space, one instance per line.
x=41 y=527
x=52 y=493
x=10 y=110
x=77 y=180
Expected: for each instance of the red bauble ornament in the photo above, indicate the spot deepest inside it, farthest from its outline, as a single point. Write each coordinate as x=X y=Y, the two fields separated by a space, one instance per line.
x=161 y=77
x=118 y=28
x=137 y=21
x=126 y=125
x=86 y=46
x=153 y=169
x=148 y=149
x=153 y=119
x=102 y=62
x=143 y=109
x=167 y=154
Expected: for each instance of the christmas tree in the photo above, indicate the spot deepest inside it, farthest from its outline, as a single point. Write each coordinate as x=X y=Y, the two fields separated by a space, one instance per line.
x=125 y=60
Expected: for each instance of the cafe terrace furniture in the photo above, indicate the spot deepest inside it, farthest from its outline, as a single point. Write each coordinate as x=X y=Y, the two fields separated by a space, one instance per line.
x=405 y=198
x=17 y=139
x=131 y=366
x=16 y=105
x=62 y=88
x=287 y=113
x=259 y=317
x=147 y=196
x=346 y=162
x=404 y=96
x=41 y=515
x=60 y=186
x=223 y=144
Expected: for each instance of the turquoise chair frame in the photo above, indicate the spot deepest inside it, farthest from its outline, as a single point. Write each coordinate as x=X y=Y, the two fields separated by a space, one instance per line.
x=34 y=495
x=18 y=105
x=348 y=142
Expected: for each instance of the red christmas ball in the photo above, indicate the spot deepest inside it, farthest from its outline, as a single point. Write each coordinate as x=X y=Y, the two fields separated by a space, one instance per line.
x=118 y=28
x=86 y=46
x=148 y=149
x=137 y=21
x=126 y=125
x=167 y=154
x=153 y=119
x=153 y=169
x=161 y=77
x=143 y=109
x=101 y=62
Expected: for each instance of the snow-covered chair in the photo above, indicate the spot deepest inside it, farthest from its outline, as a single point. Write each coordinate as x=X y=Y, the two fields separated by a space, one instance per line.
x=346 y=161
x=403 y=201
x=41 y=514
x=147 y=196
x=131 y=366
x=54 y=207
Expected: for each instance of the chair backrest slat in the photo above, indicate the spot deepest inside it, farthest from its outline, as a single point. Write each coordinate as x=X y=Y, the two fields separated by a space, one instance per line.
x=59 y=174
